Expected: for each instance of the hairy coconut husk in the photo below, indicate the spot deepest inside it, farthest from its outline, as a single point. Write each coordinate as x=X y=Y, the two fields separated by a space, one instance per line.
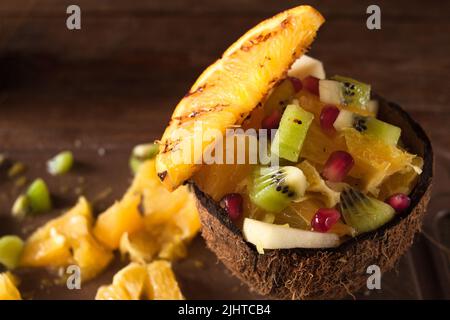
x=323 y=273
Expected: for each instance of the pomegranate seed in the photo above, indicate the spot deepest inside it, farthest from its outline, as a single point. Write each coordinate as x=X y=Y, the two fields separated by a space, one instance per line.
x=324 y=219
x=337 y=166
x=232 y=203
x=399 y=201
x=327 y=117
x=311 y=84
x=296 y=83
x=272 y=121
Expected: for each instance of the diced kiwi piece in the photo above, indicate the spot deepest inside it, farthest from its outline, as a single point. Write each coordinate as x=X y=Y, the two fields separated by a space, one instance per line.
x=21 y=206
x=384 y=131
x=362 y=212
x=344 y=91
x=61 y=163
x=141 y=153
x=355 y=93
x=378 y=129
x=39 y=197
x=273 y=188
x=291 y=133
x=11 y=248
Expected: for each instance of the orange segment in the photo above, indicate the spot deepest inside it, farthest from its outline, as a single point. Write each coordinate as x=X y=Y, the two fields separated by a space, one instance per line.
x=150 y=221
x=317 y=187
x=402 y=181
x=163 y=285
x=67 y=240
x=8 y=289
x=155 y=281
x=121 y=217
x=231 y=88
x=130 y=283
x=374 y=160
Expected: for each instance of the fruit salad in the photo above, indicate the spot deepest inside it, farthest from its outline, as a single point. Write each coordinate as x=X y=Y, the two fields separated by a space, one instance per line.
x=341 y=170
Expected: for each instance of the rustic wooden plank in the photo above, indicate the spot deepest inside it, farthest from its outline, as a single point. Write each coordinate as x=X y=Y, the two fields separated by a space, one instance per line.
x=346 y=8
x=401 y=61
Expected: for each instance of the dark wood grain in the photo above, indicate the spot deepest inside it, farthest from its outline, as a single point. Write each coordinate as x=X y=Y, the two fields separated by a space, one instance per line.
x=114 y=84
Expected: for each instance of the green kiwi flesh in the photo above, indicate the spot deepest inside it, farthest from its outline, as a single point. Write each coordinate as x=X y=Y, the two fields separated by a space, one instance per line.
x=291 y=133
x=362 y=212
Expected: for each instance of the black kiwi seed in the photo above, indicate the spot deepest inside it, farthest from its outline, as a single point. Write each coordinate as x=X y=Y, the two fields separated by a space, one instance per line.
x=285 y=189
x=360 y=124
x=291 y=194
x=278 y=188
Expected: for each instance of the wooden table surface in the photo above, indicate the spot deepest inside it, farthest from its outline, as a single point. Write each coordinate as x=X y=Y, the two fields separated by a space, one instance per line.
x=114 y=83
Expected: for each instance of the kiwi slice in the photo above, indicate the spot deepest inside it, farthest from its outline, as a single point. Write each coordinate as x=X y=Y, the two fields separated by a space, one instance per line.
x=344 y=91
x=381 y=130
x=294 y=125
x=273 y=188
x=355 y=93
x=362 y=212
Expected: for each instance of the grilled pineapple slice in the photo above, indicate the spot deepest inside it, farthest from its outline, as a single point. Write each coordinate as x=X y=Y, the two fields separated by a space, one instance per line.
x=228 y=90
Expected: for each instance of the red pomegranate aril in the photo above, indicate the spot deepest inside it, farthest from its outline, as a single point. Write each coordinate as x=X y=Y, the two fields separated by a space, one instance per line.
x=272 y=121
x=324 y=219
x=233 y=205
x=311 y=84
x=328 y=115
x=338 y=166
x=296 y=83
x=399 y=201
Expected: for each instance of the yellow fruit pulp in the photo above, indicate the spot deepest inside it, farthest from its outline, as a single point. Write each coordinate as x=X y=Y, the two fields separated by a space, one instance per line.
x=375 y=161
x=8 y=287
x=149 y=221
x=377 y=166
x=231 y=88
x=67 y=240
x=155 y=281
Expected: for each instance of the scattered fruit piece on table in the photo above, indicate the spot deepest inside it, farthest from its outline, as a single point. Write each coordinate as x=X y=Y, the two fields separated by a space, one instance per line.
x=61 y=163
x=11 y=248
x=67 y=240
x=8 y=287
x=149 y=221
x=39 y=197
x=141 y=153
x=21 y=206
x=155 y=281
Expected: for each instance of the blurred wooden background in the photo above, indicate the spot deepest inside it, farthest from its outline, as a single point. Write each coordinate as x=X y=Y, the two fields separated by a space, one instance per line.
x=114 y=83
